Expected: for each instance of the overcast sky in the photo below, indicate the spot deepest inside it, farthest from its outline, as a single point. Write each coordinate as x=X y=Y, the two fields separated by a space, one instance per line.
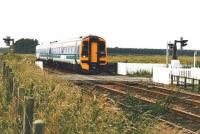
x=123 y=23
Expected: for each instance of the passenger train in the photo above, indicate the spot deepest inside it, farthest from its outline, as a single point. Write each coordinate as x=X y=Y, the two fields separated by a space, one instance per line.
x=85 y=54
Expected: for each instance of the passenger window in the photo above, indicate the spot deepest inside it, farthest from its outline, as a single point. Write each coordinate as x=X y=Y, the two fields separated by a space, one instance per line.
x=85 y=49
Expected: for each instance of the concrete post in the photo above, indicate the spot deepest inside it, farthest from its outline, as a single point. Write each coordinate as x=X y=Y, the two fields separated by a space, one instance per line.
x=38 y=127
x=20 y=97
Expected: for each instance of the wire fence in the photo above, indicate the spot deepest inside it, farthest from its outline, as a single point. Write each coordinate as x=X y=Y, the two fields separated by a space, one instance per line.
x=25 y=104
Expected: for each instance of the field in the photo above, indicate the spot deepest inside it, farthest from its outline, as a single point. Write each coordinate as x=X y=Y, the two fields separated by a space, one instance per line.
x=187 y=60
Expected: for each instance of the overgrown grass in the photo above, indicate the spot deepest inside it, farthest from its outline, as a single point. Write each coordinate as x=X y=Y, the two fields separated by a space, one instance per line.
x=65 y=109
x=146 y=116
x=141 y=73
x=141 y=114
x=59 y=103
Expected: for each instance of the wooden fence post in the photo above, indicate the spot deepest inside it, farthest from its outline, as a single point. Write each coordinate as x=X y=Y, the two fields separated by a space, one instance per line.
x=199 y=85
x=171 y=79
x=28 y=114
x=4 y=69
x=15 y=86
x=9 y=71
x=38 y=127
x=185 y=82
x=10 y=86
x=177 y=77
x=193 y=84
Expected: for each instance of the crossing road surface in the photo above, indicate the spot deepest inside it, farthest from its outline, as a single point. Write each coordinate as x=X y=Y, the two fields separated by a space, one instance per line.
x=103 y=77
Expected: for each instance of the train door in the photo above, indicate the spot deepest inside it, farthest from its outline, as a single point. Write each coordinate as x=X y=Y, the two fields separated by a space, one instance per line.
x=50 y=54
x=94 y=52
x=84 y=55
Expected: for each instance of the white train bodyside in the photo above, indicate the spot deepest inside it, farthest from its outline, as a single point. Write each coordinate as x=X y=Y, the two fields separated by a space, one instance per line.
x=68 y=51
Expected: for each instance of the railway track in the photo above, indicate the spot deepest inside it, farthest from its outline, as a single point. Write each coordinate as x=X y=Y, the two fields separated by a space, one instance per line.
x=149 y=94
x=149 y=97
x=174 y=98
x=188 y=102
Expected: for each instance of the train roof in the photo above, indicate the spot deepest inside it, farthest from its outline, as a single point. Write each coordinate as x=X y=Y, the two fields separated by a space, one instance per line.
x=92 y=36
x=69 y=40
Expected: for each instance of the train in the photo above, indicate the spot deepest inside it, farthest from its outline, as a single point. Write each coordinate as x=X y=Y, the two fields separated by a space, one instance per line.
x=86 y=54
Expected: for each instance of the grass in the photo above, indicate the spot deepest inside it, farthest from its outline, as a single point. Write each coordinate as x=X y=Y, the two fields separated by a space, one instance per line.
x=65 y=109
x=141 y=73
x=187 y=60
x=59 y=103
x=146 y=117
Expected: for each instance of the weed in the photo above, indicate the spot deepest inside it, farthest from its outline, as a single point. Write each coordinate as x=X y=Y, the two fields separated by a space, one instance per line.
x=141 y=73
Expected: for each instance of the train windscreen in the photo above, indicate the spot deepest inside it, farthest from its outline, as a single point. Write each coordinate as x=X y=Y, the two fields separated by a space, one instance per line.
x=85 y=49
x=102 y=49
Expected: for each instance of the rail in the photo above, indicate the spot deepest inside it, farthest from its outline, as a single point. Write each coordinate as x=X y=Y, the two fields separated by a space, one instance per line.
x=139 y=93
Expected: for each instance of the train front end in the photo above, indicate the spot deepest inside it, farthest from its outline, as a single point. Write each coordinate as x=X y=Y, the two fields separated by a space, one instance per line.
x=93 y=54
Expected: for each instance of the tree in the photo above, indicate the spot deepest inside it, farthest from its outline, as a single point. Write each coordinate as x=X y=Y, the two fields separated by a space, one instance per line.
x=25 y=46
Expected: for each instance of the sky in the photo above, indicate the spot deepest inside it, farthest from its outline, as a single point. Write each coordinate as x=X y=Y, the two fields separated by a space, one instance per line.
x=122 y=23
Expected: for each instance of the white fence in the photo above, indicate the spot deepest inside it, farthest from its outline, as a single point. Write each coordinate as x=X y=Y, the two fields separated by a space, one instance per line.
x=162 y=75
x=128 y=68
x=125 y=68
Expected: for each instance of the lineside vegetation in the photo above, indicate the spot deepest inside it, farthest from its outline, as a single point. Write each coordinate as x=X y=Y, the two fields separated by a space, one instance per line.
x=65 y=109
x=59 y=103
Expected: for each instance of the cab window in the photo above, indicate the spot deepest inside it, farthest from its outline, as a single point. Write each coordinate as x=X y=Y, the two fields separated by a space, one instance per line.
x=85 y=49
x=102 y=49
